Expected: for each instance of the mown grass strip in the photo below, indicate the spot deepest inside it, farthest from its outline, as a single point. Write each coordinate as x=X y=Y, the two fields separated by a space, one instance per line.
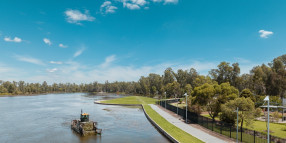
x=131 y=100
x=171 y=129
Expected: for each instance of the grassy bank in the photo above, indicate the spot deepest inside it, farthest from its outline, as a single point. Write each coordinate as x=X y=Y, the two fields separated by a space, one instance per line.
x=131 y=100
x=174 y=131
x=277 y=129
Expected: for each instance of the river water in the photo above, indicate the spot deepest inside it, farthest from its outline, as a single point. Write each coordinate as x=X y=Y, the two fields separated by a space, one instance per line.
x=47 y=118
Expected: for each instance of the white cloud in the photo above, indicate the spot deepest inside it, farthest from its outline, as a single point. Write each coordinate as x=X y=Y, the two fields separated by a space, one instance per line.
x=63 y=46
x=47 y=41
x=52 y=70
x=265 y=34
x=80 y=73
x=139 y=2
x=134 y=4
x=79 y=52
x=56 y=62
x=16 y=39
x=108 y=61
x=106 y=7
x=242 y=60
x=75 y=16
x=29 y=60
x=131 y=6
x=170 y=1
x=156 y=0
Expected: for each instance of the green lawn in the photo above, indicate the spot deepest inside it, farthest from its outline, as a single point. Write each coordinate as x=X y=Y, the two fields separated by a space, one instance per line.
x=175 y=132
x=131 y=100
x=182 y=106
x=260 y=126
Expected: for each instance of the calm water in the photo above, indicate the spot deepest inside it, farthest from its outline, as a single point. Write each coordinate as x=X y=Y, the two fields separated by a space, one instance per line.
x=46 y=118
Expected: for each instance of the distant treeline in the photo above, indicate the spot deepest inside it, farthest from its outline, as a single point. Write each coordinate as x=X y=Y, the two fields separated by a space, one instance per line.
x=267 y=79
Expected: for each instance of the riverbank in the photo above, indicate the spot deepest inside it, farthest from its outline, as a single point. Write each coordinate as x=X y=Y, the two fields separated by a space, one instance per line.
x=174 y=133
x=131 y=100
x=35 y=94
x=178 y=134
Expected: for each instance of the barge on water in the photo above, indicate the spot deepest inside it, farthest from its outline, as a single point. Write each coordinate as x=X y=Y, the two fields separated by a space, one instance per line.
x=85 y=127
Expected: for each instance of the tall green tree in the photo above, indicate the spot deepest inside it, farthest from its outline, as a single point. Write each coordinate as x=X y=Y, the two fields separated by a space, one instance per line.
x=246 y=111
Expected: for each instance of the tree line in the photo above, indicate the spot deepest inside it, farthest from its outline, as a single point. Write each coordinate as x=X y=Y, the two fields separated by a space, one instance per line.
x=262 y=80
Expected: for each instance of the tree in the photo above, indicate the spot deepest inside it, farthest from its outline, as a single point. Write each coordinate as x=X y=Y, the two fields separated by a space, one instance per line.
x=188 y=89
x=181 y=77
x=213 y=95
x=172 y=89
x=156 y=83
x=246 y=93
x=168 y=76
x=246 y=111
x=226 y=73
x=191 y=77
x=205 y=96
x=201 y=79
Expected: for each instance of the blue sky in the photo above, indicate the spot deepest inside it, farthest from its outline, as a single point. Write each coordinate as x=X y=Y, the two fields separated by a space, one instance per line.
x=97 y=40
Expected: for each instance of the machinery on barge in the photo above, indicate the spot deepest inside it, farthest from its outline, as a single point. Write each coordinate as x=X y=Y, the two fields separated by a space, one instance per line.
x=85 y=127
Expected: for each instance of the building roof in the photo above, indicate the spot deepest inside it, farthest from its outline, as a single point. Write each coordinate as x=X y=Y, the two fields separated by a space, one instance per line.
x=273 y=106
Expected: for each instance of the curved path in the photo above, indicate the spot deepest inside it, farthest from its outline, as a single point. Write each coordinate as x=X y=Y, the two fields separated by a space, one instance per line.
x=203 y=136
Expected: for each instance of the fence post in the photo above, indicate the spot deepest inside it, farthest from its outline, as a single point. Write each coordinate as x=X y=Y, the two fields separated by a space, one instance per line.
x=220 y=128
x=241 y=134
x=230 y=131
x=254 y=135
x=207 y=123
x=269 y=138
x=212 y=125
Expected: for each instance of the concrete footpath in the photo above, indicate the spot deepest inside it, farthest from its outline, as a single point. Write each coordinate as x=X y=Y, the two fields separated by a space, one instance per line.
x=200 y=134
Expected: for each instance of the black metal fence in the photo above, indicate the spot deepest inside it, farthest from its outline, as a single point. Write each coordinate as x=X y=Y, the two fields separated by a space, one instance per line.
x=244 y=135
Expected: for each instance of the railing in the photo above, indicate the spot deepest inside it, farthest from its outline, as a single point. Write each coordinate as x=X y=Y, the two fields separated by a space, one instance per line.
x=244 y=135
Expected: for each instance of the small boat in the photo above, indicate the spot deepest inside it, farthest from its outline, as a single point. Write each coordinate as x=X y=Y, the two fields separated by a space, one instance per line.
x=85 y=127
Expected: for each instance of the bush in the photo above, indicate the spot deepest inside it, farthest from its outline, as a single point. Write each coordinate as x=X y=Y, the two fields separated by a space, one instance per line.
x=257 y=112
x=276 y=116
x=195 y=108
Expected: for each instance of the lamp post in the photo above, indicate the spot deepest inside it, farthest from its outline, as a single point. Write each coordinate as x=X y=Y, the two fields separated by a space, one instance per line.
x=236 y=124
x=186 y=107
x=267 y=99
x=177 y=103
x=165 y=99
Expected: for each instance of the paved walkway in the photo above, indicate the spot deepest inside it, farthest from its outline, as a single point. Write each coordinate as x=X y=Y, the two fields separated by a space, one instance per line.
x=203 y=136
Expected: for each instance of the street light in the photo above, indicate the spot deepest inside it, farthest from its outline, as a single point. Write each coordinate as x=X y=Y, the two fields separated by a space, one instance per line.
x=236 y=124
x=186 y=107
x=177 y=102
x=165 y=99
x=267 y=99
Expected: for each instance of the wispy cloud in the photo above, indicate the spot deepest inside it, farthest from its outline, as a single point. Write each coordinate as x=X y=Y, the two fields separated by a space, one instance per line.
x=167 y=1
x=77 y=72
x=29 y=60
x=170 y=1
x=16 y=39
x=108 y=61
x=76 y=16
x=242 y=60
x=79 y=52
x=47 y=41
x=134 y=4
x=264 y=33
x=63 y=46
x=106 y=8
x=52 y=70
x=56 y=62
